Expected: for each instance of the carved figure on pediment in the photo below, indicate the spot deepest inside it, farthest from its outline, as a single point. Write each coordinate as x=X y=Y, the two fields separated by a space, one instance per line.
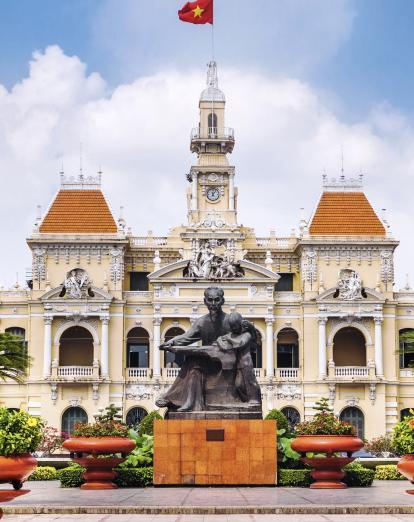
x=206 y=264
x=77 y=285
x=349 y=285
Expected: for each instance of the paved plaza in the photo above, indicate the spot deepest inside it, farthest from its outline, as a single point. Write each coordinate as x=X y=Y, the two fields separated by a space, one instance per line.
x=46 y=501
x=210 y=518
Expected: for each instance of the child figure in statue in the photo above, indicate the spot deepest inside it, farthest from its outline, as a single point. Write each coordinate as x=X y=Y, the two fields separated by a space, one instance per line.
x=240 y=340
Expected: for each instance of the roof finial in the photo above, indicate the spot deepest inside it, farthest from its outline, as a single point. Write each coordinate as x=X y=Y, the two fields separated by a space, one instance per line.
x=212 y=79
x=80 y=160
x=342 y=162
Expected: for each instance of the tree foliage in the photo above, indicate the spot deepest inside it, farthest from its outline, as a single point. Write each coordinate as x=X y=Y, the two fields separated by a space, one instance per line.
x=14 y=359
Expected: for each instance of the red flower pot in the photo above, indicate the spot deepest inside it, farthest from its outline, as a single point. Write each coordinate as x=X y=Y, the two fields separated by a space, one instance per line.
x=99 y=472
x=406 y=467
x=327 y=471
x=16 y=468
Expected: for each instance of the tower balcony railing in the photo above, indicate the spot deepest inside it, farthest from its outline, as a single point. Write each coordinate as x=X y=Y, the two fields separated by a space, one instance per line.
x=212 y=133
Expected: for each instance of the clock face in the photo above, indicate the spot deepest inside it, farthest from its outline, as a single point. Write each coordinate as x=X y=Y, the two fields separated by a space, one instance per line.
x=213 y=194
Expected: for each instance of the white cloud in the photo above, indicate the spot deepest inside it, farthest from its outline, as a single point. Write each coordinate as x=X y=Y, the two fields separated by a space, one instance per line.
x=139 y=133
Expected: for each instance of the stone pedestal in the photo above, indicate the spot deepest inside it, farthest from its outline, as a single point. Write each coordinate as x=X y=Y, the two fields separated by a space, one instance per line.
x=215 y=452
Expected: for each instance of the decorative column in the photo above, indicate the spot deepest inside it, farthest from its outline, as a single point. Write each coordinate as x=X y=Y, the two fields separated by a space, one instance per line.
x=378 y=347
x=231 y=191
x=194 y=189
x=156 y=347
x=105 y=347
x=270 y=366
x=47 y=346
x=322 y=347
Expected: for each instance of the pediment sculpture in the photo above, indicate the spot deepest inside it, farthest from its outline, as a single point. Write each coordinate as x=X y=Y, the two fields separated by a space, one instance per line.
x=77 y=285
x=207 y=264
x=349 y=285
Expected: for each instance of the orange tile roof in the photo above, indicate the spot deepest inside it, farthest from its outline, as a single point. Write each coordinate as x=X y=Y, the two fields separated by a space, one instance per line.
x=79 y=211
x=345 y=214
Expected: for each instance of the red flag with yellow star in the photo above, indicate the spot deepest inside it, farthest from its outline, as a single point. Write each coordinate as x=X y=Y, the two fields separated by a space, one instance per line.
x=200 y=12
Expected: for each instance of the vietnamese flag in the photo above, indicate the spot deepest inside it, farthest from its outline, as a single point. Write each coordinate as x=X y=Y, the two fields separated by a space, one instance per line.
x=200 y=12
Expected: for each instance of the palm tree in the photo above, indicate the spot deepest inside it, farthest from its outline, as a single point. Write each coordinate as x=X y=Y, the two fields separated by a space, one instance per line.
x=14 y=359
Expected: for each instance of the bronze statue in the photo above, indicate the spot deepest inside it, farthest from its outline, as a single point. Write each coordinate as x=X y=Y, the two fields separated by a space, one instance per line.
x=219 y=375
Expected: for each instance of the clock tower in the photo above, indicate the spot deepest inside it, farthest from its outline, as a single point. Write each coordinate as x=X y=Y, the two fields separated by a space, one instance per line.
x=212 y=197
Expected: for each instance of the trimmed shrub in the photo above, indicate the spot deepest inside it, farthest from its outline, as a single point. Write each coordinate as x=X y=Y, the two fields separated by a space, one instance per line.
x=388 y=472
x=71 y=477
x=357 y=476
x=294 y=478
x=134 y=477
x=146 y=426
x=44 y=473
x=281 y=420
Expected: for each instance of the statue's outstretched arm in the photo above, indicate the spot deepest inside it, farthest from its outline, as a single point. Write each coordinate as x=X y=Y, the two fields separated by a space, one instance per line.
x=192 y=335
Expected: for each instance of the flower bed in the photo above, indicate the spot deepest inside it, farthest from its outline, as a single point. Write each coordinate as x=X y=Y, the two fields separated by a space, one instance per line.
x=388 y=472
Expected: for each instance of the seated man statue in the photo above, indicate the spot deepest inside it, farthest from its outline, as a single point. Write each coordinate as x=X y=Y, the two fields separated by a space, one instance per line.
x=216 y=368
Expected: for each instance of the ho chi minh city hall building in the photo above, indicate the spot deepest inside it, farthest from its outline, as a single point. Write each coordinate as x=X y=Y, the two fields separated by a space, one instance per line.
x=100 y=300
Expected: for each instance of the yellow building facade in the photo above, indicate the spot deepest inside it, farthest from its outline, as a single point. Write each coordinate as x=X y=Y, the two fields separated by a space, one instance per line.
x=100 y=300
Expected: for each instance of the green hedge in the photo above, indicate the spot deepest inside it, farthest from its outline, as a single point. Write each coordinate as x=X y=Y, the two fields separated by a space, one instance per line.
x=388 y=472
x=134 y=477
x=357 y=476
x=71 y=477
x=294 y=478
x=44 y=473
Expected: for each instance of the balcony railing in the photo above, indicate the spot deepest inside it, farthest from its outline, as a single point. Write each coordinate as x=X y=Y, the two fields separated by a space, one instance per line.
x=75 y=371
x=406 y=372
x=139 y=373
x=217 y=133
x=286 y=374
x=170 y=373
x=352 y=371
x=143 y=241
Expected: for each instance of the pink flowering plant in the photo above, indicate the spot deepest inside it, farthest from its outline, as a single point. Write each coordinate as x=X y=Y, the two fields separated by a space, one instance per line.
x=107 y=424
x=51 y=440
x=324 y=422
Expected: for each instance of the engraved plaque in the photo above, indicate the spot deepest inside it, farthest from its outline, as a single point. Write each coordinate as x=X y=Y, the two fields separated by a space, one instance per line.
x=215 y=434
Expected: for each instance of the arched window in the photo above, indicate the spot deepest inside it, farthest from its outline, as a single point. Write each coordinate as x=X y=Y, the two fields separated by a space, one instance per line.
x=405 y=413
x=287 y=348
x=292 y=415
x=71 y=417
x=212 y=124
x=349 y=347
x=406 y=348
x=76 y=347
x=355 y=417
x=17 y=331
x=138 y=348
x=173 y=360
x=257 y=352
x=135 y=416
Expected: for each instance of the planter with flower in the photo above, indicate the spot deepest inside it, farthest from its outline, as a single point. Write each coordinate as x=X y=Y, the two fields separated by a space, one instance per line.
x=20 y=435
x=107 y=443
x=321 y=442
x=403 y=444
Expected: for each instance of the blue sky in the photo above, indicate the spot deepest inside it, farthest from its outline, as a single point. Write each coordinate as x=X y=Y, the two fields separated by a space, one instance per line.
x=303 y=79
x=372 y=62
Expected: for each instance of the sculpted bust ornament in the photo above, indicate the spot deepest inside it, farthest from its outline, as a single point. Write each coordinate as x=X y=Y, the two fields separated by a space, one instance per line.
x=217 y=379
